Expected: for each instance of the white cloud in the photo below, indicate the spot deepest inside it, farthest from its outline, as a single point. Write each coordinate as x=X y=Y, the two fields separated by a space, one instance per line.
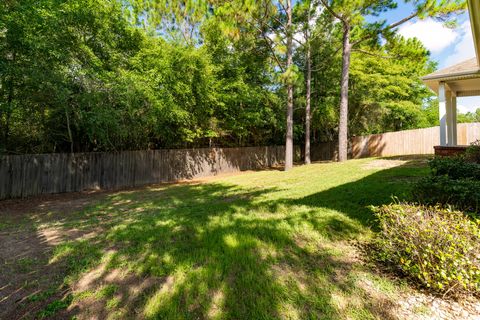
x=468 y=104
x=434 y=35
x=299 y=37
x=464 y=47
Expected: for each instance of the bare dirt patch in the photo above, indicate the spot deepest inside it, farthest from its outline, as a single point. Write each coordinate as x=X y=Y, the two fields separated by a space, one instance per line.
x=28 y=280
x=17 y=209
x=25 y=275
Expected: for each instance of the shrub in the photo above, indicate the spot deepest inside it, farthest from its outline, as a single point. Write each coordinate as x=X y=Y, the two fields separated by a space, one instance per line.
x=473 y=152
x=463 y=194
x=455 y=168
x=438 y=247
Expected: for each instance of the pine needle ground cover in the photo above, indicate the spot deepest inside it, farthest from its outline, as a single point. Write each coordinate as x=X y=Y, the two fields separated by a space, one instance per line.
x=257 y=245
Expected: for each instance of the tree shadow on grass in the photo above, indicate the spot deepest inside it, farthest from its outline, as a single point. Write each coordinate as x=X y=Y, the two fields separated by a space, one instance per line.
x=355 y=200
x=216 y=250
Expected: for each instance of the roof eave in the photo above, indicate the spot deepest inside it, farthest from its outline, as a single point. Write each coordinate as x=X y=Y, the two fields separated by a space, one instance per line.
x=453 y=76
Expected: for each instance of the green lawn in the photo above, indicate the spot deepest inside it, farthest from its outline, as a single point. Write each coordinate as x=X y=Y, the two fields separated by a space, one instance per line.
x=260 y=245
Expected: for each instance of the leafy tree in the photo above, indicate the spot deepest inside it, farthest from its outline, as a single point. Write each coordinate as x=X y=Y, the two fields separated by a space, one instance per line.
x=356 y=30
x=250 y=110
x=386 y=93
x=54 y=53
x=469 y=117
x=172 y=19
x=259 y=14
x=91 y=75
x=273 y=21
x=79 y=76
x=306 y=14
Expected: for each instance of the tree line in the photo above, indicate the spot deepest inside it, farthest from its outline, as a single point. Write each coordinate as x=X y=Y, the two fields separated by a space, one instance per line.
x=96 y=75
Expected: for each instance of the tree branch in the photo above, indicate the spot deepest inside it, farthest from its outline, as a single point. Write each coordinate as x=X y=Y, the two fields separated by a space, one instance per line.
x=282 y=6
x=375 y=54
x=269 y=41
x=327 y=60
x=333 y=13
x=392 y=26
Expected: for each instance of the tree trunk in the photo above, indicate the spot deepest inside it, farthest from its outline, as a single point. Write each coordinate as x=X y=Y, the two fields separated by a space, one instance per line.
x=343 y=124
x=289 y=134
x=307 y=104
x=69 y=130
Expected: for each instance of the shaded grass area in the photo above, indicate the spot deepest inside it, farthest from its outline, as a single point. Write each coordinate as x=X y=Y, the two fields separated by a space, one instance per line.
x=263 y=245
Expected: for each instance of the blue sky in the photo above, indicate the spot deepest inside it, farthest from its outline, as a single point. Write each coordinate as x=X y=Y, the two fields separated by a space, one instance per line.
x=447 y=46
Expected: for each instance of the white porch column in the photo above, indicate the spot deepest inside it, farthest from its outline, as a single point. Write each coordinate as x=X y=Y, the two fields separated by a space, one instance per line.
x=448 y=98
x=454 y=120
x=442 y=108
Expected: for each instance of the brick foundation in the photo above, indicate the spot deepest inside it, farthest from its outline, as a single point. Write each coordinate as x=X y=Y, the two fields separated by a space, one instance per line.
x=449 y=151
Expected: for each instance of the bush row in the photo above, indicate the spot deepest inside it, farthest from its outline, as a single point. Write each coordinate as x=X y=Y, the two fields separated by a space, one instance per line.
x=429 y=242
x=463 y=194
x=454 y=182
x=436 y=246
x=473 y=152
x=455 y=168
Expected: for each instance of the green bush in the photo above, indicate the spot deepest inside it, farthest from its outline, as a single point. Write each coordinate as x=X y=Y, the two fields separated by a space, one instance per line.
x=454 y=181
x=438 y=247
x=455 y=168
x=473 y=152
x=463 y=194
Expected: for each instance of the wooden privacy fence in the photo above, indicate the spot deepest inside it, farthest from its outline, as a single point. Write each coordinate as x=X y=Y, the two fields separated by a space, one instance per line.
x=28 y=175
x=419 y=141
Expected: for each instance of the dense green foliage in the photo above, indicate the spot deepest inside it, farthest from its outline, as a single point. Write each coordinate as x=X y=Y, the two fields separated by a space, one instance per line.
x=386 y=89
x=93 y=75
x=455 y=168
x=469 y=117
x=358 y=30
x=76 y=75
x=463 y=194
x=472 y=153
x=429 y=242
x=435 y=246
x=454 y=181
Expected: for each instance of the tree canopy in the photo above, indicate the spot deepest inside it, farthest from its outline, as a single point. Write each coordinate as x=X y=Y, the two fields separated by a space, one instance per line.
x=95 y=75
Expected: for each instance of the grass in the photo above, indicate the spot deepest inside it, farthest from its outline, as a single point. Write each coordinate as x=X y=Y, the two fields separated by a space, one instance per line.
x=52 y=308
x=262 y=245
x=25 y=264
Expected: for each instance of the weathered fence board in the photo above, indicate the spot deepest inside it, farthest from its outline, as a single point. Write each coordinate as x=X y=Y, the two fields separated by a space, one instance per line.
x=418 y=141
x=29 y=175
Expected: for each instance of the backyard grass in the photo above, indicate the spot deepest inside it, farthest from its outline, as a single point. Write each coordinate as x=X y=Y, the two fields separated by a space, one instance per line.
x=258 y=245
